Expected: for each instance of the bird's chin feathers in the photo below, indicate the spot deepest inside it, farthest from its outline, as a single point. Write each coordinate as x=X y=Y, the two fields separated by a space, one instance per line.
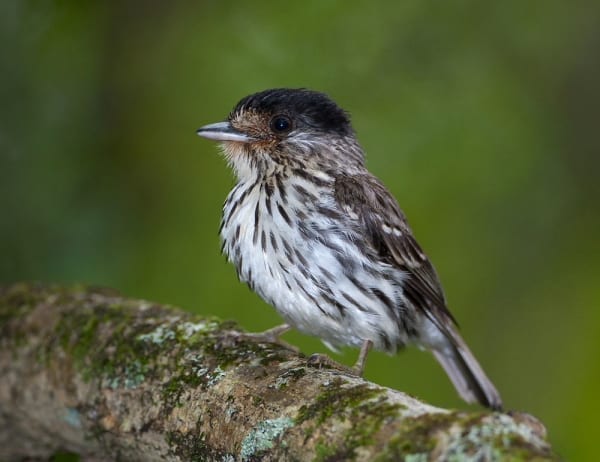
x=238 y=157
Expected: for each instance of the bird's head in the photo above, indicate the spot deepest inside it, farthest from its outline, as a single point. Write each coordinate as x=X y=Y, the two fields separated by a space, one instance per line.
x=280 y=128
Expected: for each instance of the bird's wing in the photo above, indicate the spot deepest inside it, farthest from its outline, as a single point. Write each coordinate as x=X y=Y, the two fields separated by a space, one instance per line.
x=386 y=230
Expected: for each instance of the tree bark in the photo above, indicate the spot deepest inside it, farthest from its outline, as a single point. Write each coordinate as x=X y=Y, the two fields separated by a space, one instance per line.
x=90 y=372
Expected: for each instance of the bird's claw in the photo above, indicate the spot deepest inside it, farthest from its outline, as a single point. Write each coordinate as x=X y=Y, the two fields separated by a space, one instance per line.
x=321 y=361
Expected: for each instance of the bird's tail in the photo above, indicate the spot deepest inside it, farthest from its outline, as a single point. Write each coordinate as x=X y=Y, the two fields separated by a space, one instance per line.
x=465 y=372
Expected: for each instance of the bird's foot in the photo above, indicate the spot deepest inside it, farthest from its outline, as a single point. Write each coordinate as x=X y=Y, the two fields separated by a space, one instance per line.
x=321 y=361
x=272 y=335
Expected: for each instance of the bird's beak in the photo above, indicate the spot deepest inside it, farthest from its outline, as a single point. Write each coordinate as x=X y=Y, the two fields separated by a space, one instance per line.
x=223 y=131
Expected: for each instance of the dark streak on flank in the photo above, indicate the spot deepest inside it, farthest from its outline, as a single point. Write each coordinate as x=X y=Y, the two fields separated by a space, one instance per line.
x=304 y=193
x=289 y=253
x=327 y=274
x=331 y=245
x=301 y=257
x=263 y=240
x=357 y=283
x=329 y=212
x=333 y=302
x=385 y=339
x=284 y=214
x=304 y=270
x=240 y=262
x=273 y=241
x=300 y=214
x=249 y=279
x=353 y=301
x=311 y=298
x=305 y=230
x=387 y=301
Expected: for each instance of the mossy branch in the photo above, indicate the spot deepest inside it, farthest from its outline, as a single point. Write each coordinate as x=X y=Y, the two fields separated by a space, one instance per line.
x=89 y=372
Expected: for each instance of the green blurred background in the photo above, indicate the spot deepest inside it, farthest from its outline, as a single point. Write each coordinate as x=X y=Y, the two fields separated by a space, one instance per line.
x=481 y=117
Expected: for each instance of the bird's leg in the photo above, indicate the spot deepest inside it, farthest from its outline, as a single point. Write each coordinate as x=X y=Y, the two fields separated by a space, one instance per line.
x=272 y=336
x=319 y=360
x=359 y=366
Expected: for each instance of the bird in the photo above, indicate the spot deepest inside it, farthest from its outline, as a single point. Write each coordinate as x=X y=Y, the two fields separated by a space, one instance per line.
x=321 y=239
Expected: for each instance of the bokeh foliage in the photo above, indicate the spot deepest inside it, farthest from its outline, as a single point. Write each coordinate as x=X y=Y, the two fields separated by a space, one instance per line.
x=481 y=117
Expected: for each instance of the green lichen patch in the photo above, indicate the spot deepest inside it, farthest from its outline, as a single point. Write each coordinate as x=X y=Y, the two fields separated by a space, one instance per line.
x=16 y=301
x=98 y=340
x=189 y=375
x=234 y=350
x=418 y=436
x=123 y=344
x=496 y=437
x=64 y=456
x=196 y=330
x=288 y=377
x=476 y=436
x=132 y=376
x=186 y=332
x=325 y=451
x=158 y=336
x=362 y=409
x=193 y=447
x=263 y=436
x=336 y=398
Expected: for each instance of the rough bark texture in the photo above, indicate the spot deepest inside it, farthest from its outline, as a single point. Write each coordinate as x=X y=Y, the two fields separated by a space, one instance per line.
x=87 y=371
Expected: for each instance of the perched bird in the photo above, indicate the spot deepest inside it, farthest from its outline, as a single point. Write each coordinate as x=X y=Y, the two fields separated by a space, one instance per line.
x=321 y=239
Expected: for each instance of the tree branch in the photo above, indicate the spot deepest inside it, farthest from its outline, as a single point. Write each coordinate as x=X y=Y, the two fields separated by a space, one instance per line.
x=90 y=372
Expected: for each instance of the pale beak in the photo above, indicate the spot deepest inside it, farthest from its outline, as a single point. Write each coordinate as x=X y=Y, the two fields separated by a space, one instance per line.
x=223 y=131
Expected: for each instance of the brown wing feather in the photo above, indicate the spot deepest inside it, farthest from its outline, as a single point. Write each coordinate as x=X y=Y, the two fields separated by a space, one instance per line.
x=387 y=231
x=389 y=236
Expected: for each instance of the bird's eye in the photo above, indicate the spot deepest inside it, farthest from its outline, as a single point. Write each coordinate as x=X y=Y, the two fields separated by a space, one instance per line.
x=281 y=124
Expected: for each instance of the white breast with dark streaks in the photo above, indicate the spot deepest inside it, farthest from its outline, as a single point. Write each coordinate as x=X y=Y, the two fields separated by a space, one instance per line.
x=310 y=268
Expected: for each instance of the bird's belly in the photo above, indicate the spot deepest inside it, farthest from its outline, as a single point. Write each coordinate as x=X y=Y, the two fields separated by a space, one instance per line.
x=322 y=287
